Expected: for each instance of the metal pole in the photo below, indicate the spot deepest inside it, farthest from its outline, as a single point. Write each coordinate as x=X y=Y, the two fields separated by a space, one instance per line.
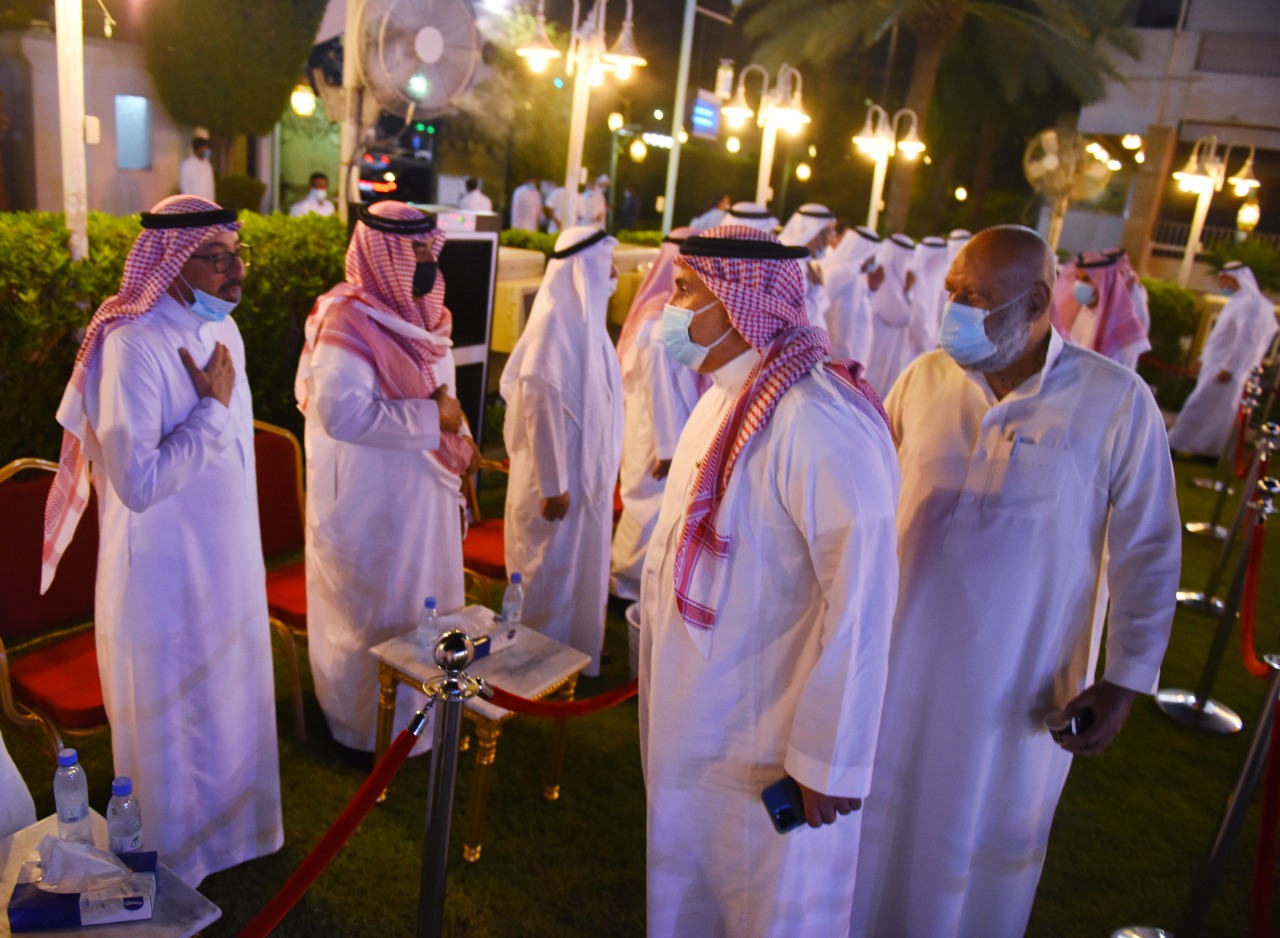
x=1193 y=239
x=877 y=191
x=1206 y=601
x=768 y=140
x=1197 y=709
x=677 y=115
x=613 y=177
x=69 y=20
x=453 y=652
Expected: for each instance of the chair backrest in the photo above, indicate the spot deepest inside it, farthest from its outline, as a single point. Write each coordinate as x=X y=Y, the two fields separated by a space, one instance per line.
x=280 y=495
x=24 y=613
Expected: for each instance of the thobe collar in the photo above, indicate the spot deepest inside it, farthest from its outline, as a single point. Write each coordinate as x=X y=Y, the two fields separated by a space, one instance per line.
x=1029 y=388
x=732 y=375
x=177 y=313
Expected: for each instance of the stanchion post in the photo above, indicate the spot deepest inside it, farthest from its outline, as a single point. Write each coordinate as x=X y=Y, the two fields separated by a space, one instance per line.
x=1198 y=709
x=1268 y=443
x=453 y=652
x=1226 y=462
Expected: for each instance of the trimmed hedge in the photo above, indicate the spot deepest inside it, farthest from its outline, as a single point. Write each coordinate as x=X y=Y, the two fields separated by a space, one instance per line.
x=1175 y=318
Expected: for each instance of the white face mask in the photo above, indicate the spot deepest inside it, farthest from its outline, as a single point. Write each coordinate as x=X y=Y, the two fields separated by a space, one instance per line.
x=675 y=335
x=318 y=195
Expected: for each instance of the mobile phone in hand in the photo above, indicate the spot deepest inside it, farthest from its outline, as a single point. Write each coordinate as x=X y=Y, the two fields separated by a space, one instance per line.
x=784 y=803
x=1072 y=727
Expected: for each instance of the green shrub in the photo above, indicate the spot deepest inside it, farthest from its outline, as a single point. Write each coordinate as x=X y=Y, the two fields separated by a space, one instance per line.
x=1175 y=317
x=532 y=240
x=240 y=193
x=651 y=239
x=45 y=301
x=1258 y=256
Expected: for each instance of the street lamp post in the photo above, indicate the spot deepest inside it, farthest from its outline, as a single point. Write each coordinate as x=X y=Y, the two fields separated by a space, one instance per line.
x=618 y=131
x=879 y=140
x=1204 y=174
x=588 y=61
x=781 y=107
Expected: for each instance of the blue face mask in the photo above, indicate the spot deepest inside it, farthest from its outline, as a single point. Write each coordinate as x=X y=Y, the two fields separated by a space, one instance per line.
x=207 y=307
x=675 y=335
x=963 y=335
x=1084 y=293
x=1226 y=291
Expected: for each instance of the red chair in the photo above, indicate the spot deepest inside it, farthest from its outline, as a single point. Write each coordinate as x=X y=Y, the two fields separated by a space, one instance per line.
x=48 y=660
x=281 y=511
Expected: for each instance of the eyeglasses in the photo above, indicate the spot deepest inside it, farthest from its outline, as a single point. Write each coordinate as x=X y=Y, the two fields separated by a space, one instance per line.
x=222 y=261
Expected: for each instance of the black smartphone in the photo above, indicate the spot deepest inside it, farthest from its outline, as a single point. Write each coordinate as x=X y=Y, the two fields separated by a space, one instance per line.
x=1073 y=727
x=784 y=803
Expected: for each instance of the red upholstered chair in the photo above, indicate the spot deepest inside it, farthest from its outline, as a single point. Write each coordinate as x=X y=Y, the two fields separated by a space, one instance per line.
x=482 y=548
x=48 y=661
x=280 y=514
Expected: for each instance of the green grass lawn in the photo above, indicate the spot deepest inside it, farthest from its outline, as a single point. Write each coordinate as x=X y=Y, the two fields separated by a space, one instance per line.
x=1128 y=837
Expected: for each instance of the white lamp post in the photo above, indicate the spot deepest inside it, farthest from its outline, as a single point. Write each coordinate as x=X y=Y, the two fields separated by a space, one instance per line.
x=1204 y=174
x=879 y=140
x=781 y=107
x=70 y=58
x=588 y=61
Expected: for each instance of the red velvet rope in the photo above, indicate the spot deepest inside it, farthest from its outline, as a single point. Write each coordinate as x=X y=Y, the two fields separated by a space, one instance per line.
x=1183 y=371
x=324 y=851
x=561 y=709
x=1264 y=861
x=1249 y=604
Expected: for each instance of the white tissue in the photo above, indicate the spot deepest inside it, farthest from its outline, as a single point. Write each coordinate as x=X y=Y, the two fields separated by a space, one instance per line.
x=71 y=866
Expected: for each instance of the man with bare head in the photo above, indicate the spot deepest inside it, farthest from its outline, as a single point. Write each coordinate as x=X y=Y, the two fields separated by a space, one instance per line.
x=1036 y=483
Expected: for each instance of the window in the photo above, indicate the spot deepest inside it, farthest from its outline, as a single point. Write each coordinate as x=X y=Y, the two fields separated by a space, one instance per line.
x=133 y=132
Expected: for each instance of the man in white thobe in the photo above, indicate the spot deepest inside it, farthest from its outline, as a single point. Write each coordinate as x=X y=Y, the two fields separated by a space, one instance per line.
x=563 y=432
x=890 y=348
x=929 y=270
x=752 y=215
x=658 y=394
x=195 y=173
x=17 y=810
x=812 y=226
x=713 y=216
x=956 y=239
x=592 y=209
x=1021 y=458
x=844 y=276
x=526 y=205
x=316 y=201
x=384 y=459
x=159 y=404
x=766 y=603
x=1237 y=342
x=554 y=208
x=1097 y=310
x=473 y=200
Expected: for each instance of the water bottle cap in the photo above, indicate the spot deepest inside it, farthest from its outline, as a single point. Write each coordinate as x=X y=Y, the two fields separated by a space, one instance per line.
x=67 y=757
x=516 y=578
x=430 y=603
x=122 y=786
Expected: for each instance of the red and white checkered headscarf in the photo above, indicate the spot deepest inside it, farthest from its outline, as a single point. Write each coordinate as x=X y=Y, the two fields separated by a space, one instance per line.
x=1118 y=325
x=155 y=259
x=765 y=303
x=380 y=268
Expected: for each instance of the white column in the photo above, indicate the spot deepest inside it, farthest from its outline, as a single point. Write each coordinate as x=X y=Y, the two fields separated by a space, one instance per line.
x=352 y=41
x=577 y=137
x=69 y=23
x=677 y=115
x=877 y=191
x=1193 y=239
x=768 y=140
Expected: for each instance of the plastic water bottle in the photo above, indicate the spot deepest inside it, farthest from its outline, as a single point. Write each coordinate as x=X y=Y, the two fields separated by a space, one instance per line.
x=71 y=797
x=513 y=600
x=124 y=818
x=428 y=629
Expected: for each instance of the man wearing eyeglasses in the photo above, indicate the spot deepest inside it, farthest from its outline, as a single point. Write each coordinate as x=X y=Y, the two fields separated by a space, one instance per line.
x=159 y=406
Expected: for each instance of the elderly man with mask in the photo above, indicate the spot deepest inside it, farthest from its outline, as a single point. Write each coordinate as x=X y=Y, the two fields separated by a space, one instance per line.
x=159 y=406
x=766 y=602
x=384 y=462
x=1021 y=458
x=658 y=394
x=563 y=432
x=1237 y=342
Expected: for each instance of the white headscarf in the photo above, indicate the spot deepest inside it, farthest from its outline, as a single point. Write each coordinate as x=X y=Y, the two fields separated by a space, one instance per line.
x=931 y=263
x=957 y=239
x=751 y=214
x=806 y=224
x=566 y=345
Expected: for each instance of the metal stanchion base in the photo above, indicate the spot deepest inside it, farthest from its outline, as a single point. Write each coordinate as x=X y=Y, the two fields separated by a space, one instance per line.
x=1196 y=602
x=1205 y=529
x=1213 y=716
x=1213 y=485
x=1140 y=931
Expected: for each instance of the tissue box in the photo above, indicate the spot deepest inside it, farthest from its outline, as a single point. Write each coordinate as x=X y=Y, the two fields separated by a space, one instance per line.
x=501 y=637
x=33 y=909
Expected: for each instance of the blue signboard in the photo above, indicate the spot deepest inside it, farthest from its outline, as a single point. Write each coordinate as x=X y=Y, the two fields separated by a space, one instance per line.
x=706 y=115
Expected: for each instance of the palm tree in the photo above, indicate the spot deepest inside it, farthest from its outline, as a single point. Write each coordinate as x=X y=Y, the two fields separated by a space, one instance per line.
x=1022 y=43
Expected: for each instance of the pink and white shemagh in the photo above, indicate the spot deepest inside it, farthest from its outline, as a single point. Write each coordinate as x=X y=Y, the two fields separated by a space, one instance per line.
x=765 y=300
x=379 y=268
x=153 y=264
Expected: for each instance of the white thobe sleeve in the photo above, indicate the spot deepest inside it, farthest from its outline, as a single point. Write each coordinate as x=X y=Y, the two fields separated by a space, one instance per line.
x=889 y=309
x=142 y=463
x=544 y=407
x=840 y=490
x=186 y=182
x=1144 y=539
x=674 y=394
x=344 y=394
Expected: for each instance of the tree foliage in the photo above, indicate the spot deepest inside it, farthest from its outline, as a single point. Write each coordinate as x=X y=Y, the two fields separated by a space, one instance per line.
x=229 y=66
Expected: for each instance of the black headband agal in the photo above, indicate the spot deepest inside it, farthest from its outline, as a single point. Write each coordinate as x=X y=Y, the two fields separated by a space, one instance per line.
x=670 y=240
x=594 y=238
x=1104 y=261
x=396 y=226
x=811 y=214
x=155 y=221
x=745 y=213
x=698 y=246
